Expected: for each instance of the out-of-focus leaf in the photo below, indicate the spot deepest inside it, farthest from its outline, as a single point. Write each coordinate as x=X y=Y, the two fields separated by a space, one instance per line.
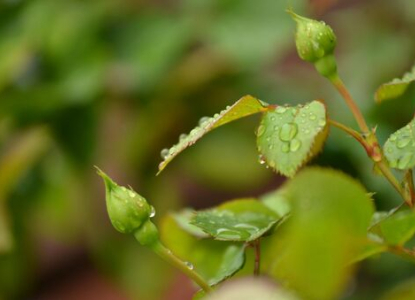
x=288 y=137
x=403 y=291
x=369 y=249
x=398 y=228
x=245 y=106
x=214 y=260
x=399 y=149
x=6 y=239
x=14 y=162
x=330 y=216
x=277 y=201
x=248 y=289
x=20 y=156
x=183 y=219
x=395 y=88
x=237 y=220
x=236 y=23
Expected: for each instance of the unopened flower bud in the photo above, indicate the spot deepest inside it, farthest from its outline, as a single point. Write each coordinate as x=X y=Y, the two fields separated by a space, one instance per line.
x=315 y=42
x=127 y=210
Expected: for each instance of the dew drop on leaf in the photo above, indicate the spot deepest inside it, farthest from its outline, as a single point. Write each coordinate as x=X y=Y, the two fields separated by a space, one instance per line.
x=203 y=121
x=261 y=130
x=403 y=142
x=404 y=161
x=280 y=109
x=295 y=145
x=285 y=147
x=288 y=131
x=189 y=265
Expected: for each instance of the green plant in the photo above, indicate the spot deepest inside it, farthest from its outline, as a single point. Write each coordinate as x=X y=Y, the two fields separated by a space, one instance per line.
x=308 y=234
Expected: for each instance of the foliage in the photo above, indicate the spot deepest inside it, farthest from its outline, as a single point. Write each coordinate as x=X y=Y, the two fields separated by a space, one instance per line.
x=112 y=82
x=326 y=219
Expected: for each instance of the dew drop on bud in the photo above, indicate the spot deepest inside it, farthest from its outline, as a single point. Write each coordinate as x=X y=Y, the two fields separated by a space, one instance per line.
x=152 y=212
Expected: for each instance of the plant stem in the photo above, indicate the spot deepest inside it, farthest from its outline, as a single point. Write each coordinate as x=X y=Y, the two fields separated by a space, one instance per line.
x=168 y=256
x=257 y=266
x=339 y=85
x=403 y=252
x=349 y=131
x=368 y=140
x=392 y=179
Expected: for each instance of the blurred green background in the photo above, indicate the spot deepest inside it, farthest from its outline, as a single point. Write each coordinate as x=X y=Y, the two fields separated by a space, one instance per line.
x=112 y=82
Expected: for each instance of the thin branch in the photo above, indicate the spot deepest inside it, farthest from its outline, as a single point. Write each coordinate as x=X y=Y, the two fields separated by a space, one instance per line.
x=339 y=85
x=257 y=266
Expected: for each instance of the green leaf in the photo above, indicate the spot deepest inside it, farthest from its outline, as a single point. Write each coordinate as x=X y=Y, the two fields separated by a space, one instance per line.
x=396 y=87
x=237 y=220
x=403 y=291
x=288 y=137
x=369 y=249
x=250 y=288
x=245 y=106
x=183 y=219
x=277 y=201
x=398 y=228
x=214 y=260
x=328 y=225
x=399 y=149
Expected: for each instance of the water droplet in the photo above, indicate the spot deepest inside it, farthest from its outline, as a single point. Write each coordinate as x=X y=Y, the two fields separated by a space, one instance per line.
x=261 y=159
x=276 y=127
x=152 y=211
x=261 y=130
x=389 y=149
x=189 y=265
x=131 y=194
x=295 y=145
x=303 y=115
x=280 y=109
x=285 y=147
x=322 y=122
x=272 y=118
x=228 y=234
x=203 y=121
x=393 y=138
x=182 y=136
x=172 y=150
x=288 y=131
x=307 y=131
x=312 y=117
x=393 y=163
x=270 y=146
x=268 y=139
x=405 y=160
x=403 y=142
x=272 y=164
x=216 y=116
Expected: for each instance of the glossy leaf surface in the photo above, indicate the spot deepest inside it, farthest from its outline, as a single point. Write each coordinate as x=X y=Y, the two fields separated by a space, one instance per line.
x=245 y=106
x=398 y=228
x=330 y=216
x=395 y=88
x=288 y=137
x=399 y=149
x=214 y=260
x=238 y=220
